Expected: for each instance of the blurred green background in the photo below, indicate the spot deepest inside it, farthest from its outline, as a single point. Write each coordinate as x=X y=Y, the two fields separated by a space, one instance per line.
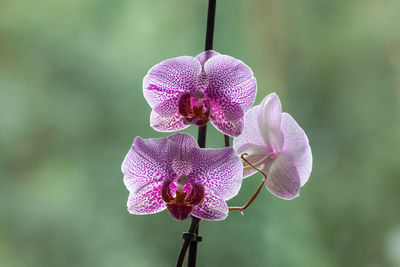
x=71 y=104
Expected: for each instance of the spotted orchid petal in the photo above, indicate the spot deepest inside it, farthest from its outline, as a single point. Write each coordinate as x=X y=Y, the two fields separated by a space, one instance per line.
x=169 y=79
x=232 y=86
x=219 y=120
x=148 y=161
x=147 y=200
x=220 y=170
x=213 y=207
x=206 y=55
x=164 y=84
x=176 y=174
x=194 y=90
x=275 y=143
x=167 y=123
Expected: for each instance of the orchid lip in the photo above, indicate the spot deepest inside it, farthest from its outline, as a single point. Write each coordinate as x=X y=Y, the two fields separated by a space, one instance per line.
x=194 y=108
x=187 y=196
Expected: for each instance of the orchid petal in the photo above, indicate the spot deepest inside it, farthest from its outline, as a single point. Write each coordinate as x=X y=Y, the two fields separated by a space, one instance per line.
x=282 y=177
x=250 y=134
x=269 y=122
x=296 y=144
x=170 y=78
x=206 y=55
x=167 y=108
x=229 y=127
x=219 y=170
x=251 y=142
x=231 y=85
x=181 y=163
x=148 y=161
x=148 y=200
x=184 y=141
x=213 y=207
x=167 y=123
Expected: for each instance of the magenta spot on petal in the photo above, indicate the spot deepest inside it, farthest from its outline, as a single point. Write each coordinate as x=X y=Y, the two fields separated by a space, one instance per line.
x=153 y=87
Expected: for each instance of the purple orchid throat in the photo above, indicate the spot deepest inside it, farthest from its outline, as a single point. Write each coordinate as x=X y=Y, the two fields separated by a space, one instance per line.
x=194 y=90
x=277 y=145
x=194 y=109
x=186 y=197
x=176 y=174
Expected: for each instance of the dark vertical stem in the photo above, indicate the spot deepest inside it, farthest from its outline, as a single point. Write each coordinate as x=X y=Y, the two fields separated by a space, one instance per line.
x=210 y=24
x=226 y=139
x=192 y=229
x=209 y=42
x=201 y=137
x=193 y=247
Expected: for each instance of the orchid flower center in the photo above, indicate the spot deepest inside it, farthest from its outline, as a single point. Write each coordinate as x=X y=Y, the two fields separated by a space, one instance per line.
x=194 y=108
x=186 y=196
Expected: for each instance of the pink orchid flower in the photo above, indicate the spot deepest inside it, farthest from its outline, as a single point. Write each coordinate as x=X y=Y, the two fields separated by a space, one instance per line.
x=194 y=90
x=277 y=145
x=176 y=174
